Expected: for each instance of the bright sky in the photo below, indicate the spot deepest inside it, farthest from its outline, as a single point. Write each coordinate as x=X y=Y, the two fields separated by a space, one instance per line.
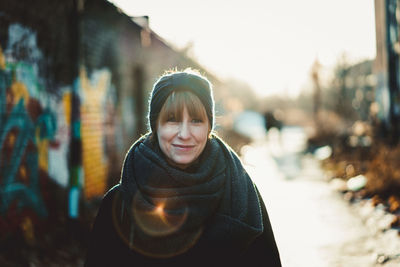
x=269 y=44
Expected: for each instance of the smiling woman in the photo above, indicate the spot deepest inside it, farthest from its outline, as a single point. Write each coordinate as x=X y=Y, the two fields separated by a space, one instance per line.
x=182 y=128
x=184 y=198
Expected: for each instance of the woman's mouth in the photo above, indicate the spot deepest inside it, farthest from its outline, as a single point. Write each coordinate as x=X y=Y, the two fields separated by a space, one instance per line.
x=183 y=147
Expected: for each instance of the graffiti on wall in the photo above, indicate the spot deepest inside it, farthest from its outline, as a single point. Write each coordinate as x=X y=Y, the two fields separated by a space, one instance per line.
x=94 y=109
x=36 y=129
x=29 y=126
x=26 y=128
x=59 y=148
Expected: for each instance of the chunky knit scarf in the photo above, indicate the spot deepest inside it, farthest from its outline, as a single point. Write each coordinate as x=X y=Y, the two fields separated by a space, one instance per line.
x=162 y=211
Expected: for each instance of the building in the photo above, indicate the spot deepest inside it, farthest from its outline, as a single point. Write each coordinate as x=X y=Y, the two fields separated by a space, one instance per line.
x=74 y=81
x=386 y=66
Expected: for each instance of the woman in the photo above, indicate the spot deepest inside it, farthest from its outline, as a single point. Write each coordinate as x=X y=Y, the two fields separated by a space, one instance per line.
x=184 y=198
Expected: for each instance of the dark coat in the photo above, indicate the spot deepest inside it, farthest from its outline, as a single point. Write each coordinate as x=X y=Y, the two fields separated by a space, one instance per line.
x=215 y=245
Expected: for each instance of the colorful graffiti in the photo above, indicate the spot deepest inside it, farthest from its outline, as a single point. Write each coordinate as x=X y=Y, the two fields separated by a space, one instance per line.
x=34 y=131
x=26 y=127
x=93 y=112
x=59 y=147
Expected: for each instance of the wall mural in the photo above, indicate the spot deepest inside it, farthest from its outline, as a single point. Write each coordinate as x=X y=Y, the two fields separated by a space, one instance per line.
x=33 y=130
x=36 y=129
x=26 y=128
x=93 y=114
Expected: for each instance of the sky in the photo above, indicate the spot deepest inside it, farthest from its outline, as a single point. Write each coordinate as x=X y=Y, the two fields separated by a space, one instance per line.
x=269 y=44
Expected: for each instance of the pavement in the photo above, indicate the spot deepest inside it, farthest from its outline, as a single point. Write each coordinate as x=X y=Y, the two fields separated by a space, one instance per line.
x=314 y=225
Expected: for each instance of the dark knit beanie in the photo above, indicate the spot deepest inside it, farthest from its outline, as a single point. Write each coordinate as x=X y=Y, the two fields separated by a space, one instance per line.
x=180 y=81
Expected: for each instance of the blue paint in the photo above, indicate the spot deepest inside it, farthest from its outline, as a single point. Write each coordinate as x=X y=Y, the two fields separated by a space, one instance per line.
x=47 y=123
x=76 y=129
x=26 y=74
x=73 y=202
x=10 y=189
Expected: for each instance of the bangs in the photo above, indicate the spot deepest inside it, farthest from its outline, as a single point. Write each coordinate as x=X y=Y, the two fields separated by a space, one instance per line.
x=175 y=103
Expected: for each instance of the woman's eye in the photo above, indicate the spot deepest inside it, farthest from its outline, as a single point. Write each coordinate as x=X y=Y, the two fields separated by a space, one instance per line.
x=171 y=119
x=197 y=120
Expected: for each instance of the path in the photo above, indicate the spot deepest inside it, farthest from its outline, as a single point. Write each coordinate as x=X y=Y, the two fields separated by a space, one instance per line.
x=313 y=225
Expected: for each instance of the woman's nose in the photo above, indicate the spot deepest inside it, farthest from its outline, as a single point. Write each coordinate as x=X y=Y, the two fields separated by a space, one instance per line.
x=184 y=130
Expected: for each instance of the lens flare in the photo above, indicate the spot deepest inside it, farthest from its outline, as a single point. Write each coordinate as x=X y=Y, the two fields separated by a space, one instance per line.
x=154 y=229
x=157 y=221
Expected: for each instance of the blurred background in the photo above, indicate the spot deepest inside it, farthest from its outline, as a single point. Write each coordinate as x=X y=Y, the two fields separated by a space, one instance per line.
x=307 y=93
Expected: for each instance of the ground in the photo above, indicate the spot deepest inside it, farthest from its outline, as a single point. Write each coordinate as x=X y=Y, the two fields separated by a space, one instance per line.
x=314 y=224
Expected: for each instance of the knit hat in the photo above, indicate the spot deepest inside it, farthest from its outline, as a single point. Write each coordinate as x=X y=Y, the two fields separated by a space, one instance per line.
x=180 y=81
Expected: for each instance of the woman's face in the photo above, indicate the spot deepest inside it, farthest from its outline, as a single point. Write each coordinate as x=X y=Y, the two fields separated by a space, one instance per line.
x=182 y=140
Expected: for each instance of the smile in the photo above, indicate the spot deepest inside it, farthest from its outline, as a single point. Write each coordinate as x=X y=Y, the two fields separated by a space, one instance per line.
x=183 y=147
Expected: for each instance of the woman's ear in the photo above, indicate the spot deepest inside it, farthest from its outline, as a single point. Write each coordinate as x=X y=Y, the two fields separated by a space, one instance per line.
x=210 y=133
